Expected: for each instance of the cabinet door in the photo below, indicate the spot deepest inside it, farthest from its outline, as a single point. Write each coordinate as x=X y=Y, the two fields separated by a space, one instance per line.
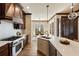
x=25 y=41
x=2 y=10
x=43 y=46
x=65 y=27
x=69 y=28
x=52 y=50
x=4 y=50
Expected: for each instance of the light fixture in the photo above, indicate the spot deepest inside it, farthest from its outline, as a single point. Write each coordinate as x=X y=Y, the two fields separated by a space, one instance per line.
x=73 y=14
x=47 y=11
x=28 y=7
x=39 y=25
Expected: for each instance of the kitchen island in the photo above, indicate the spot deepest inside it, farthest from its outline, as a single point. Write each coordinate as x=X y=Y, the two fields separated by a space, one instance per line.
x=65 y=50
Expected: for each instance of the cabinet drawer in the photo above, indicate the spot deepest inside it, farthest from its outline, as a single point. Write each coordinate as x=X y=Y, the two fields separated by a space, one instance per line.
x=4 y=50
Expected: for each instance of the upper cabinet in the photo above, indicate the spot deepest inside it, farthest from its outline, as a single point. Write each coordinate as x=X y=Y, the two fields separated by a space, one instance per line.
x=6 y=11
x=69 y=28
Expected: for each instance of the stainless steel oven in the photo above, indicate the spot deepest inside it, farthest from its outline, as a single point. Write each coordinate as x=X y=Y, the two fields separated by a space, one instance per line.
x=17 y=47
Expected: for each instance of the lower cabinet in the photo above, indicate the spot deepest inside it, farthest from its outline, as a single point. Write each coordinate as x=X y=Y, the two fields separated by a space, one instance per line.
x=5 y=50
x=43 y=46
x=52 y=50
x=47 y=48
x=25 y=41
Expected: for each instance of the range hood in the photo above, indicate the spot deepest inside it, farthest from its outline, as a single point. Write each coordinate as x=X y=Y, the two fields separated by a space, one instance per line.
x=18 y=20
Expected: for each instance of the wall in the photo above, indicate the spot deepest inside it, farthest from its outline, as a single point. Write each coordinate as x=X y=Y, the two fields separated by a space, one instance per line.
x=6 y=29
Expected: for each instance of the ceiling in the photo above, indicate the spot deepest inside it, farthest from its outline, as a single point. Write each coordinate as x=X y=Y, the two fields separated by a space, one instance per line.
x=39 y=10
x=68 y=9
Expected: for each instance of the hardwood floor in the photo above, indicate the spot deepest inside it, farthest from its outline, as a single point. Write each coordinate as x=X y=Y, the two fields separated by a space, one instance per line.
x=30 y=50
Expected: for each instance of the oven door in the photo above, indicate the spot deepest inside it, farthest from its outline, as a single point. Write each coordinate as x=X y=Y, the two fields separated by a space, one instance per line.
x=17 y=48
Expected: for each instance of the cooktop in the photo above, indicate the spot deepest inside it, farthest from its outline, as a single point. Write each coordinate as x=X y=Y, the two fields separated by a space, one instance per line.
x=11 y=38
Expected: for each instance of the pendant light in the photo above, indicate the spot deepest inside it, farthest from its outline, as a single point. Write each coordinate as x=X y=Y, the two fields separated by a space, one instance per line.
x=73 y=14
x=47 y=11
x=39 y=27
x=47 y=6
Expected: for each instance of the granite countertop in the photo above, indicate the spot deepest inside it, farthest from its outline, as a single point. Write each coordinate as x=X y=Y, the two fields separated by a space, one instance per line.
x=65 y=50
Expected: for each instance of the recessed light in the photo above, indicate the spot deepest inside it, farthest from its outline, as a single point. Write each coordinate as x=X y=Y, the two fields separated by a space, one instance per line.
x=72 y=7
x=28 y=7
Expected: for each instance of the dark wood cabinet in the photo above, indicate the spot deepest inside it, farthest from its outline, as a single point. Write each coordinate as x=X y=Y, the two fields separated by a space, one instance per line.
x=6 y=11
x=23 y=14
x=5 y=50
x=57 y=26
x=52 y=50
x=69 y=28
x=43 y=46
x=25 y=41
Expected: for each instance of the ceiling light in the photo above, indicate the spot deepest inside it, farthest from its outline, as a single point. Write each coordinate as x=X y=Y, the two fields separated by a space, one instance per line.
x=72 y=15
x=28 y=7
x=72 y=7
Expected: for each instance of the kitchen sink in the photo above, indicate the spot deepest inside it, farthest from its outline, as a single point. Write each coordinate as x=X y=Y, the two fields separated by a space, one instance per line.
x=45 y=37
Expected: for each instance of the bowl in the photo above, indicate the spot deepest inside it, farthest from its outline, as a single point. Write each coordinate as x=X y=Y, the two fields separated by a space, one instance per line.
x=64 y=41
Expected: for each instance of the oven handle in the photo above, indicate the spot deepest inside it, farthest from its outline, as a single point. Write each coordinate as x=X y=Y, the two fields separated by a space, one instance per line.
x=17 y=43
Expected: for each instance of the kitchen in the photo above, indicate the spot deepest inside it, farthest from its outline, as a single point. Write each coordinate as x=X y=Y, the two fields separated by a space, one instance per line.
x=12 y=26
x=55 y=35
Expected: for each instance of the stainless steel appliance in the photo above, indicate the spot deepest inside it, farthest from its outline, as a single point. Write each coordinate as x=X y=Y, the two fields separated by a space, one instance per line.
x=17 y=44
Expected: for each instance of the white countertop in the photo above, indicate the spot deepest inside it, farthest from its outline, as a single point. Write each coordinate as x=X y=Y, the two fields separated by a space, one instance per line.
x=65 y=50
x=4 y=42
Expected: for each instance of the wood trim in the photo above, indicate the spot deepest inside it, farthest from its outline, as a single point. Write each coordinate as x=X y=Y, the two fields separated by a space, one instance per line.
x=39 y=21
x=77 y=11
x=58 y=14
x=51 y=17
x=62 y=13
x=8 y=18
x=27 y=13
